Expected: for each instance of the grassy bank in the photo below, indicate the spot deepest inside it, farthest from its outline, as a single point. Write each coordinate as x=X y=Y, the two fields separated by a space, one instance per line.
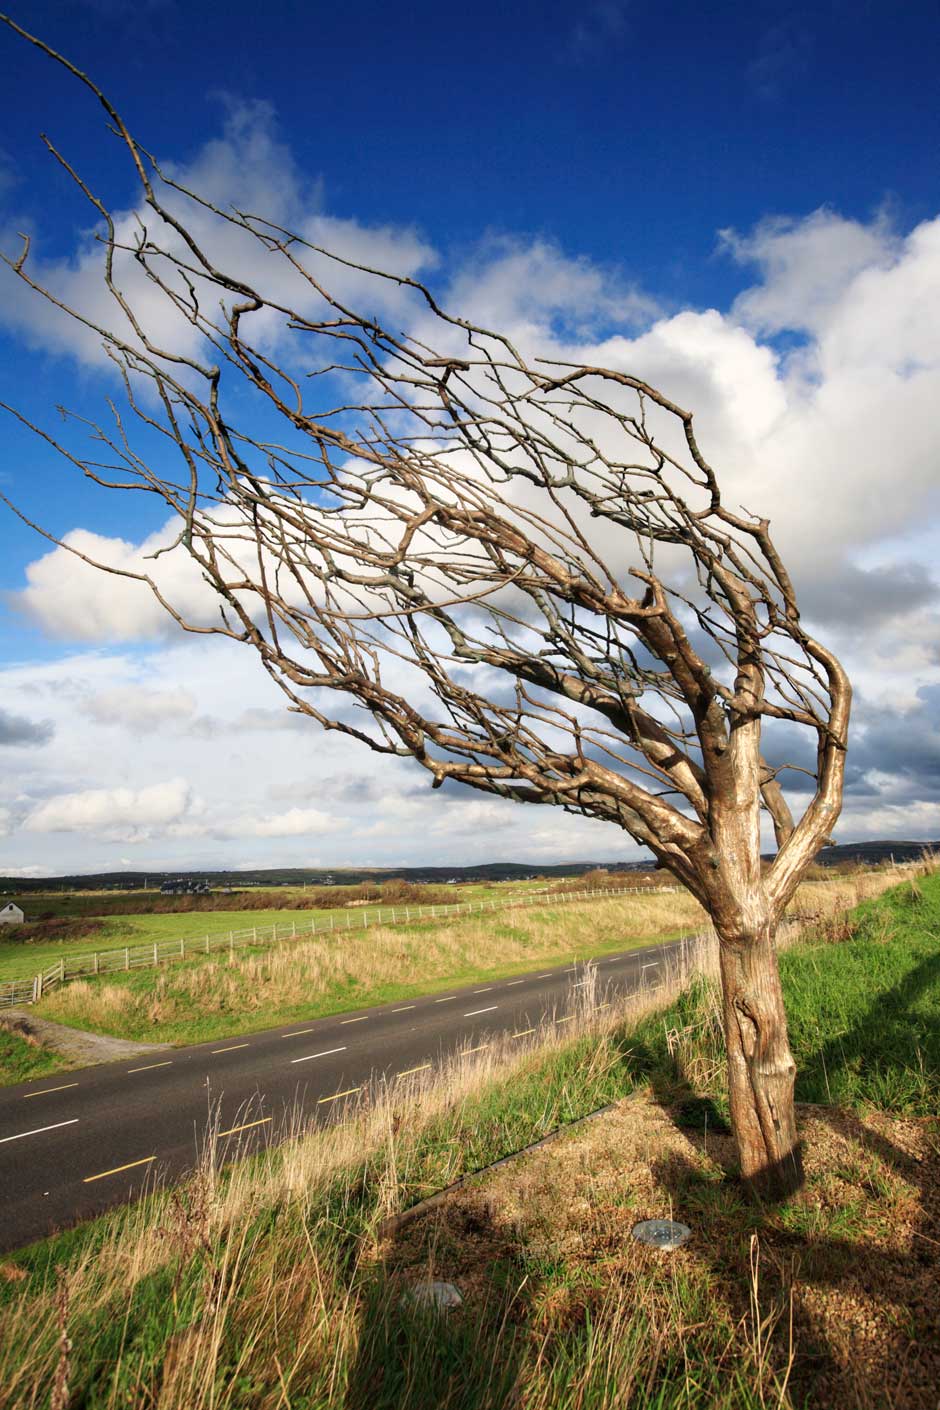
x=272 y=1284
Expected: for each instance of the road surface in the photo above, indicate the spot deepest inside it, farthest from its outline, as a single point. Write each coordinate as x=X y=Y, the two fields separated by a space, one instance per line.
x=80 y=1142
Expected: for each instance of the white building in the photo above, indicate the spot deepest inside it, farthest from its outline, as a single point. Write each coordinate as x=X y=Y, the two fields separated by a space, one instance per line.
x=11 y=915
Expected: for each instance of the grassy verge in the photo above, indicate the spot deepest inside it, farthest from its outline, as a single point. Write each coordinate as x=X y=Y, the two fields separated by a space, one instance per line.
x=22 y=1059
x=270 y=1285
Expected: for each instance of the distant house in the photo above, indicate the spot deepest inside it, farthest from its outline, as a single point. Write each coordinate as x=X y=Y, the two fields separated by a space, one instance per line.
x=185 y=886
x=11 y=915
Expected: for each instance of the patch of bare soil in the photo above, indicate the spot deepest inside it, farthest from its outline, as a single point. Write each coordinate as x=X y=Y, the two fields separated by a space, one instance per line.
x=81 y=1048
x=855 y=1256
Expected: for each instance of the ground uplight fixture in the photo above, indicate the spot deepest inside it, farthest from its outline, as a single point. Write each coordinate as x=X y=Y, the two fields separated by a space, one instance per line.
x=439 y=1296
x=665 y=1234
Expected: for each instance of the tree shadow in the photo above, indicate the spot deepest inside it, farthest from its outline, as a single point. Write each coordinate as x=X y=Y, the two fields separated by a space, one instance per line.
x=413 y=1355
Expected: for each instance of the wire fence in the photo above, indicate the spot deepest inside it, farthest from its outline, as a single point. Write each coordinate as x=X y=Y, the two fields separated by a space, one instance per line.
x=127 y=957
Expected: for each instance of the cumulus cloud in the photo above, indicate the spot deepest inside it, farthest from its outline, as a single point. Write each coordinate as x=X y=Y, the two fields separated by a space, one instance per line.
x=135 y=707
x=248 y=167
x=107 y=810
x=295 y=822
x=16 y=731
x=72 y=599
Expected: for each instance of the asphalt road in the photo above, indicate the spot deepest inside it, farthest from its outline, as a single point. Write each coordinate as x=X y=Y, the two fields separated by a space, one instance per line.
x=80 y=1142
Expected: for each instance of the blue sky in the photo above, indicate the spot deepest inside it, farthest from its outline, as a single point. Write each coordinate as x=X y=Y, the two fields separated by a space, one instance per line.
x=596 y=151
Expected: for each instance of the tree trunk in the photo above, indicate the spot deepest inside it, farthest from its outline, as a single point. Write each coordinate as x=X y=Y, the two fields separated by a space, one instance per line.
x=761 y=1070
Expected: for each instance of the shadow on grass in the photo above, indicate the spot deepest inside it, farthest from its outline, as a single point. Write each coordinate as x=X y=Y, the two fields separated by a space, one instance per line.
x=414 y=1354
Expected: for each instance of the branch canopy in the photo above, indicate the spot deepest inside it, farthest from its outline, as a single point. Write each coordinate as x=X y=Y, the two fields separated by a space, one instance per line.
x=519 y=572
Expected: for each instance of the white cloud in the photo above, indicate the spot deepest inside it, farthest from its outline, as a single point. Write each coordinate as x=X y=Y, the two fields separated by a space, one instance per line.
x=97 y=810
x=248 y=167
x=295 y=822
x=135 y=707
x=71 y=599
x=807 y=267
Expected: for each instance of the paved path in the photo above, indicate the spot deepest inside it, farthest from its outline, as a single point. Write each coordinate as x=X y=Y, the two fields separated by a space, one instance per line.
x=80 y=1142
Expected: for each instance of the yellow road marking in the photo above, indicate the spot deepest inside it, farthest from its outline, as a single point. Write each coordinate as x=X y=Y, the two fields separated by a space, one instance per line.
x=409 y=1070
x=246 y=1127
x=354 y=1020
x=523 y=1033
x=297 y=1033
x=569 y=1019
x=336 y=1095
x=131 y=1165
x=465 y=1051
x=603 y=1006
x=514 y=981
x=232 y=1049
x=64 y=1087
x=150 y=1066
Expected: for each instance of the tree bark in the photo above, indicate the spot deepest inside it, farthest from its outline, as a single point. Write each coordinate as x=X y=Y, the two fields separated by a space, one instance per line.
x=761 y=1070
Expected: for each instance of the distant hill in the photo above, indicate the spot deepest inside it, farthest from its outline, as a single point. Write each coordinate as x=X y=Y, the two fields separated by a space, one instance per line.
x=299 y=876
x=869 y=853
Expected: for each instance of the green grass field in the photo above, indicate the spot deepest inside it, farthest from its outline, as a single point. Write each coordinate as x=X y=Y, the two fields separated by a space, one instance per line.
x=18 y=960
x=268 y=1286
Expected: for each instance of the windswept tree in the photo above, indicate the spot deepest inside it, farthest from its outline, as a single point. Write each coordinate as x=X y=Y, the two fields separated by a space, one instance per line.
x=518 y=572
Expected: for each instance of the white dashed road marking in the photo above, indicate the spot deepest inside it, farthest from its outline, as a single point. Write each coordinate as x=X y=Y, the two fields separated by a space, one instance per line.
x=311 y=1056
x=38 y=1130
x=473 y=1012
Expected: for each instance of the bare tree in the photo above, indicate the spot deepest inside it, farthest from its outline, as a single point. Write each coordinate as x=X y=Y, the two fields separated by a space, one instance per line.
x=522 y=571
